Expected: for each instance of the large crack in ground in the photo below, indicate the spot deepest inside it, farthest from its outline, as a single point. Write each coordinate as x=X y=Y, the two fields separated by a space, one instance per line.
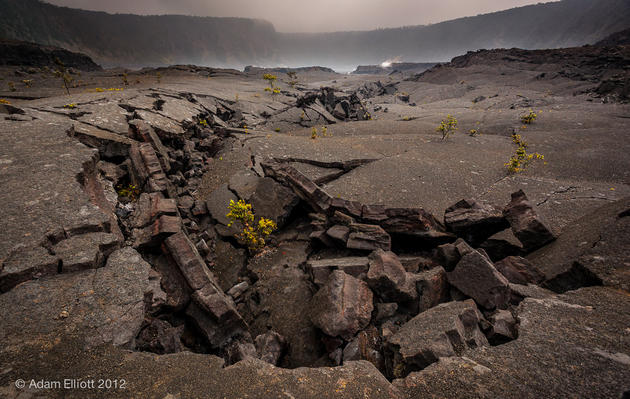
x=328 y=289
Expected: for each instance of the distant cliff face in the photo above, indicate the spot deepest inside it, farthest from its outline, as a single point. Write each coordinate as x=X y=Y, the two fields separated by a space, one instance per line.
x=31 y=54
x=566 y=23
x=131 y=40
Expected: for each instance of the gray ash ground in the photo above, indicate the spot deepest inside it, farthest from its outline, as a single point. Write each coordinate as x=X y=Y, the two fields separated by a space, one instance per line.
x=404 y=265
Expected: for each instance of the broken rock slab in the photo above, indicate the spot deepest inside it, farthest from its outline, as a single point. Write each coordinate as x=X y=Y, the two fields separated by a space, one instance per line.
x=504 y=327
x=213 y=312
x=321 y=269
x=86 y=251
x=528 y=226
x=271 y=346
x=474 y=221
x=366 y=237
x=343 y=306
x=519 y=271
x=593 y=250
x=578 y=337
x=102 y=306
x=24 y=264
x=273 y=201
x=217 y=204
x=445 y=330
x=432 y=288
x=109 y=145
x=476 y=277
x=244 y=183
x=388 y=278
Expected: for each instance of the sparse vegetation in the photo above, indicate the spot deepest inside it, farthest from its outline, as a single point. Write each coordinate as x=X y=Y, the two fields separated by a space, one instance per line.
x=529 y=118
x=292 y=78
x=11 y=86
x=3 y=101
x=277 y=130
x=314 y=133
x=62 y=72
x=203 y=123
x=70 y=106
x=270 y=78
x=125 y=81
x=27 y=82
x=521 y=159
x=128 y=191
x=448 y=126
x=253 y=234
x=101 y=90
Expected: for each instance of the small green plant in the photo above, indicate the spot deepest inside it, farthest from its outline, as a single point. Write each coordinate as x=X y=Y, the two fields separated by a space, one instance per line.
x=277 y=130
x=70 y=106
x=324 y=131
x=62 y=72
x=125 y=81
x=27 y=82
x=302 y=116
x=253 y=234
x=128 y=190
x=3 y=101
x=270 y=78
x=521 y=159
x=314 y=133
x=473 y=132
x=293 y=78
x=447 y=127
x=203 y=123
x=529 y=118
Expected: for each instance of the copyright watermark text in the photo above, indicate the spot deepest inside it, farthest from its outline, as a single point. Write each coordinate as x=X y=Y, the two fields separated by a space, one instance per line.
x=72 y=383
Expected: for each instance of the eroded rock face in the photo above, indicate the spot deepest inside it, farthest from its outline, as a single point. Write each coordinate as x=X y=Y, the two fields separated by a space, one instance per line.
x=445 y=330
x=527 y=225
x=343 y=306
x=476 y=277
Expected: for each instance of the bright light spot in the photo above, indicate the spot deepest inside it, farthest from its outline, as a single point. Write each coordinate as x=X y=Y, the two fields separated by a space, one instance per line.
x=386 y=64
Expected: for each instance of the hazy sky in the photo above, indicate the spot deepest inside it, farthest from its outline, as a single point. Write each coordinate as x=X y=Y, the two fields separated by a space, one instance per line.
x=311 y=15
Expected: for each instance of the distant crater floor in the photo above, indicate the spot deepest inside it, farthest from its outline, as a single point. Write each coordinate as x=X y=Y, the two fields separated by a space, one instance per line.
x=403 y=266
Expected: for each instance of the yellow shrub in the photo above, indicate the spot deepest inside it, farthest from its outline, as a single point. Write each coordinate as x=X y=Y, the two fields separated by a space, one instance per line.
x=253 y=234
